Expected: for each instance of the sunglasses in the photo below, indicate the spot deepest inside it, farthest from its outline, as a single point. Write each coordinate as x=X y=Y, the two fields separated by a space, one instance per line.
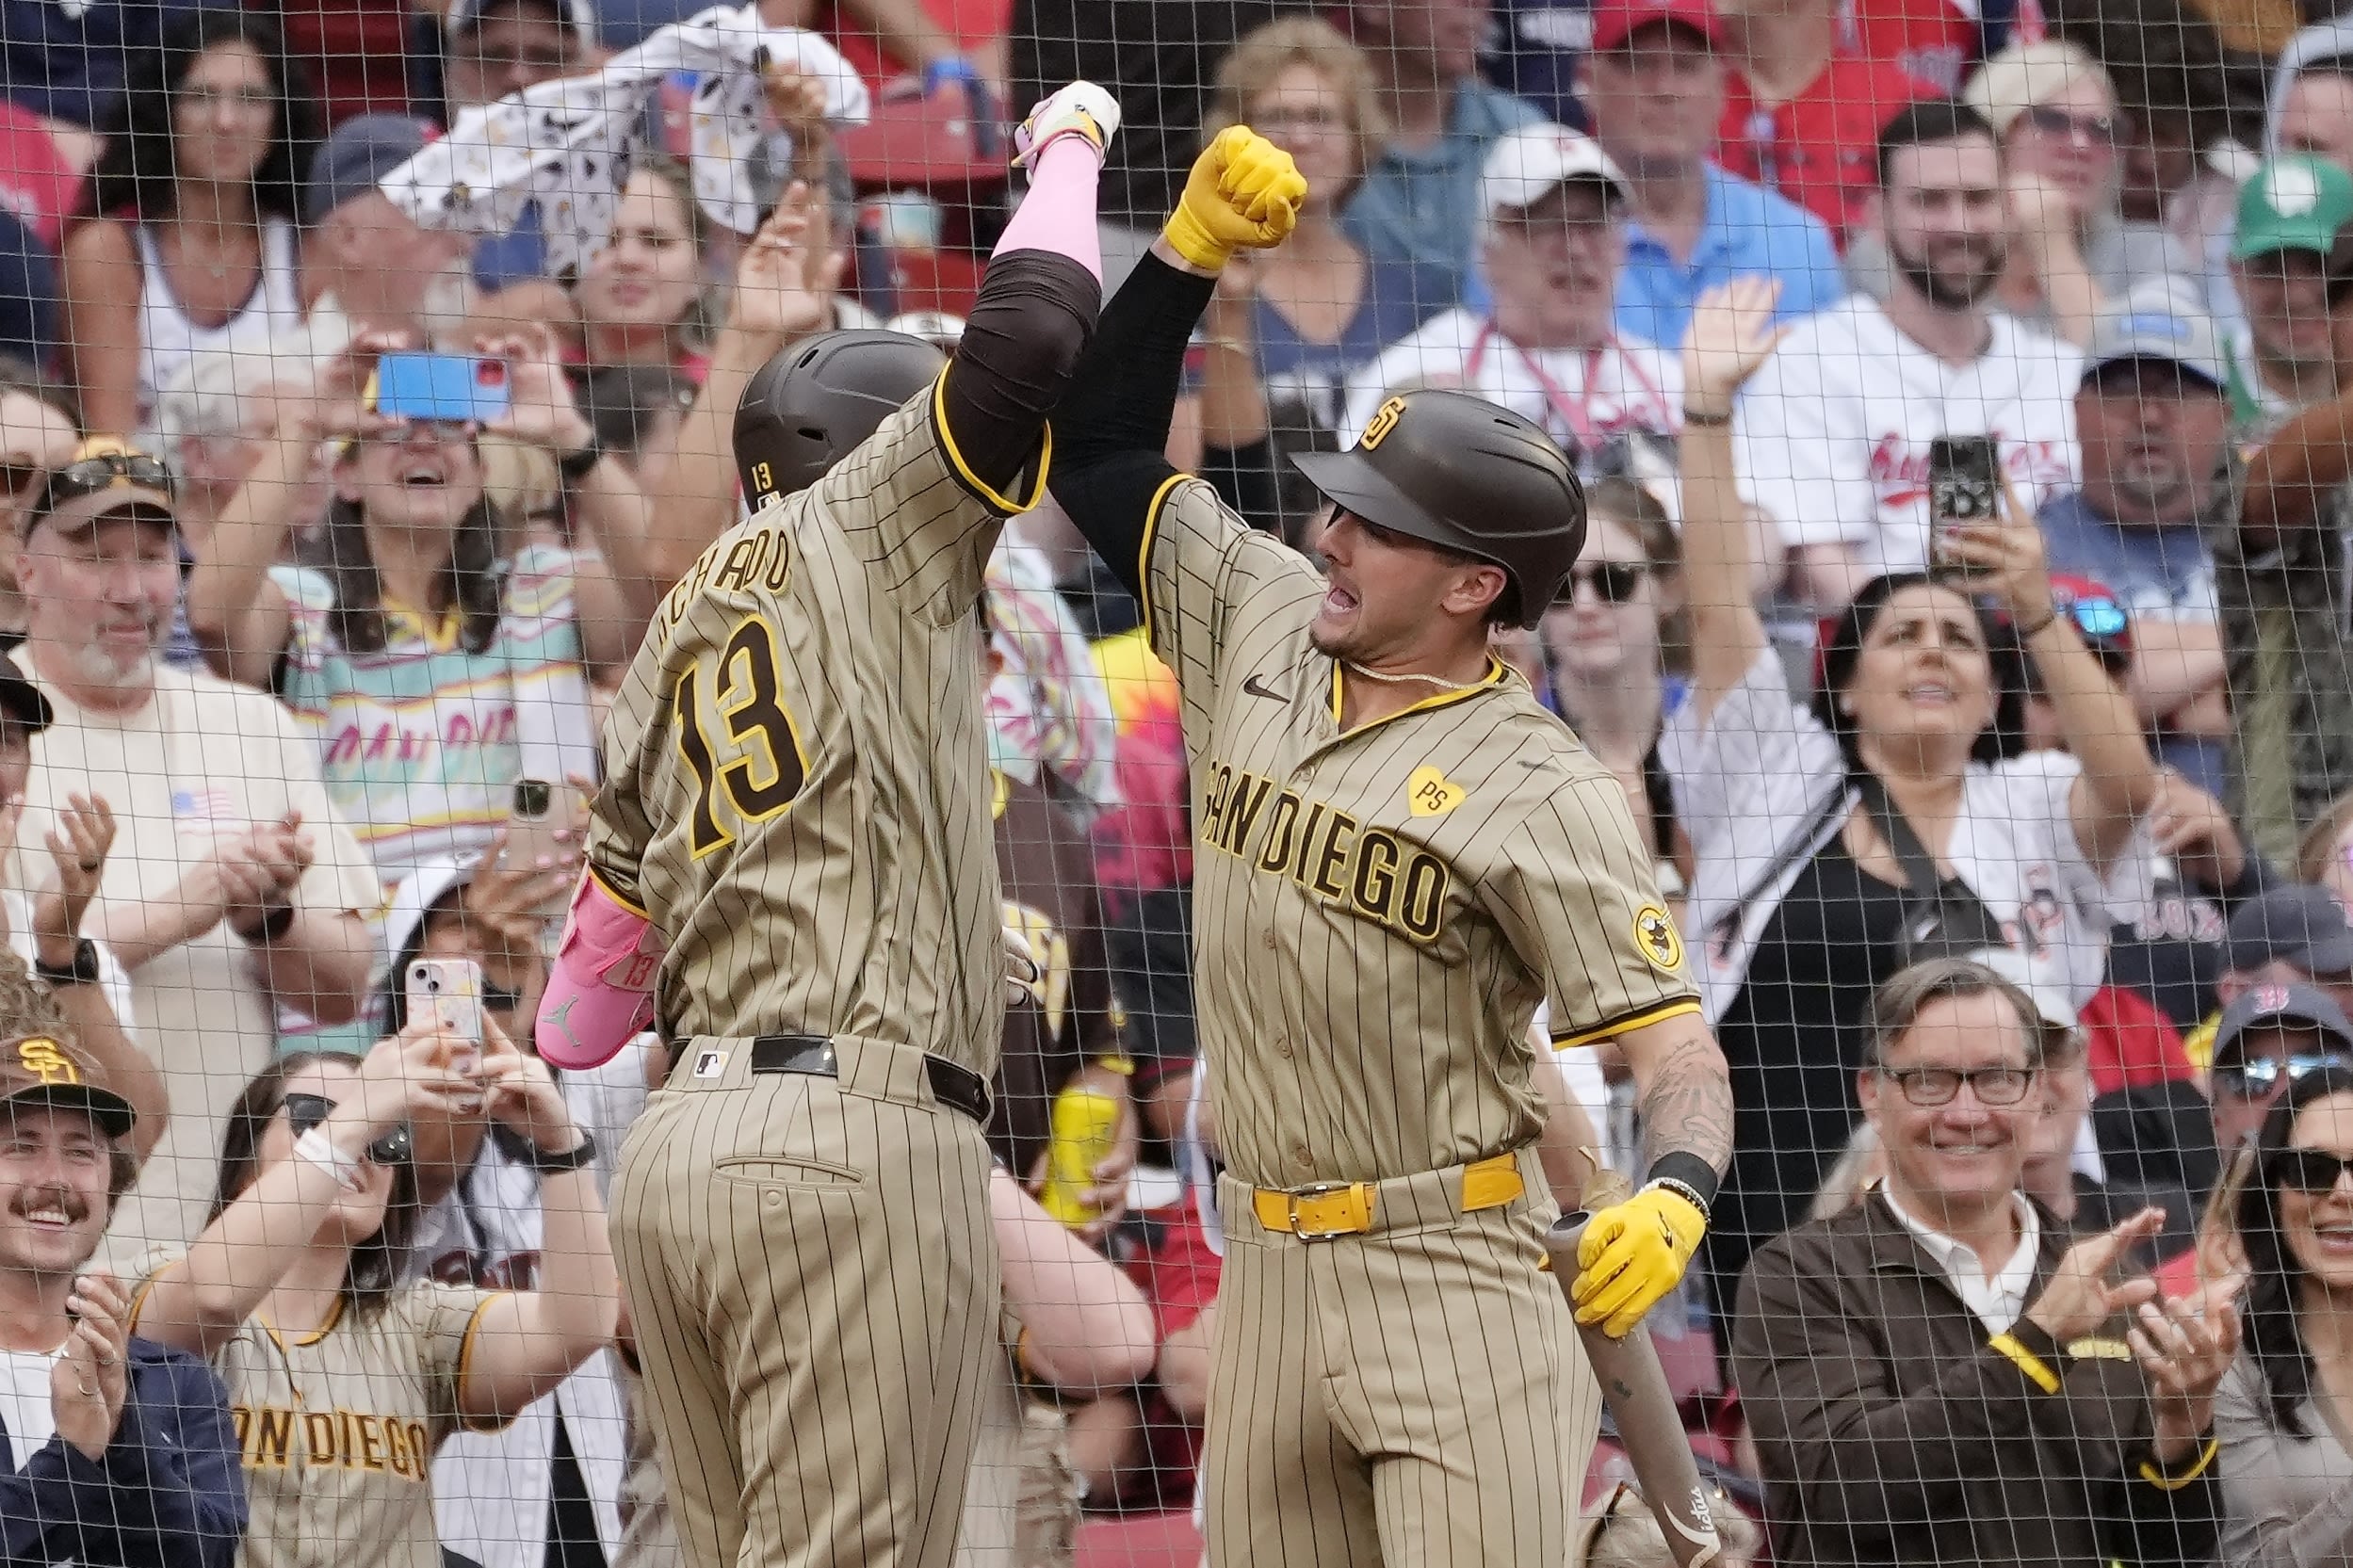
x=89 y=476
x=2095 y=128
x=1940 y=1085
x=2253 y=1079
x=2310 y=1172
x=306 y=1111
x=2099 y=619
x=1614 y=582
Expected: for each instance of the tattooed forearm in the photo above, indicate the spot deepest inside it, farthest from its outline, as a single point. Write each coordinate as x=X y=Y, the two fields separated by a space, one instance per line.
x=1686 y=1093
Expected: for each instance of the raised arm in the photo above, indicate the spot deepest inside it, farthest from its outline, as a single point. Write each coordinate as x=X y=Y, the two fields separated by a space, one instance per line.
x=1730 y=338
x=78 y=844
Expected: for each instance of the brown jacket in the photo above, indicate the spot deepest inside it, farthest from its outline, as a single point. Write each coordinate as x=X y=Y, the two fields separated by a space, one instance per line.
x=1892 y=1429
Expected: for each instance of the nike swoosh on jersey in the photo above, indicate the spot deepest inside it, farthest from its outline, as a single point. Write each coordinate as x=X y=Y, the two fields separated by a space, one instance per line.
x=1257 y=686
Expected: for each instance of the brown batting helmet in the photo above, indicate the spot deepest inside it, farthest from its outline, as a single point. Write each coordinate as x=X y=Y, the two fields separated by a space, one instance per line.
x=1458 y=472
x=813 y=404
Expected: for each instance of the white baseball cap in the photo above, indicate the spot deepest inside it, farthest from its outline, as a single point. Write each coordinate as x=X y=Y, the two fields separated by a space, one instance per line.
x=1524 y=165
x=578 y=15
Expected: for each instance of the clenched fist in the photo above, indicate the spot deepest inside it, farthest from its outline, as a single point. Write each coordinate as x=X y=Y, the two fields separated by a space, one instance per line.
x=1244 y=194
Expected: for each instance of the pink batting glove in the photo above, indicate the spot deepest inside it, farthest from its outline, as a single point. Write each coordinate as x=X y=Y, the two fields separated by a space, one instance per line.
x=601 y=995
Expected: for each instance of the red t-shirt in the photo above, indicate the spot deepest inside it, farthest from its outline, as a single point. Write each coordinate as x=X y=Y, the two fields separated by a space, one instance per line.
x=1818 y=150
x=973 y=22
x=36 y=186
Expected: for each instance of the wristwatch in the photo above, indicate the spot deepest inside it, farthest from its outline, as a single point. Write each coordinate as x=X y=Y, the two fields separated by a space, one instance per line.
x=545 y=1164
x=272 y=926
x=575 y=466
x=82 y=971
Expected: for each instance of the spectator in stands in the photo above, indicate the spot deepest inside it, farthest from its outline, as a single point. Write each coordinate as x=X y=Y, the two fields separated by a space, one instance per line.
x=1606 y=656
x=117 y=1449
x=406 y=617
x=2271 y=1036
x=1803 y=109
x=2152 y=419
x=366 y=266
x=1552 y=205
x=2284 y=355
x=310 y=1235
x=1833 y=432
x=495 y=47
x=1920 y=1373
x=642 y=298
x=2290 y=936
x=2325 y=858
x=213 y=420
x=2310 y=108
x=1422 y=199
x=1654 y=86
x=39 y=431
x=1306 y=316
x=1817 y=828
x=2056 y=112
x=637 y=409
x=187 y=237
x=234 y=889
x=2285 y=1466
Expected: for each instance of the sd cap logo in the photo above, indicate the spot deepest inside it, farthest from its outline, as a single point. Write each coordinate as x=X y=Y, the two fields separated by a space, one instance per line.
x=1655 y=935
x=1384 y=419
x=46 y=1061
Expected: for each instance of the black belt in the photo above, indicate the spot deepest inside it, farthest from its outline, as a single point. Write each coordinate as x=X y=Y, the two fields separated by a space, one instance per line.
x=958 y=1087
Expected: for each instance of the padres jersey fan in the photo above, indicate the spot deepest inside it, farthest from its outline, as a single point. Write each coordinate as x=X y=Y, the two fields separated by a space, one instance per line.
x=796 y=801
x=1381 y=903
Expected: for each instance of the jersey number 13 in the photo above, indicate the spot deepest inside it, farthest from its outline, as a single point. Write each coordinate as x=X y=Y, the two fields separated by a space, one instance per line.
x=764 y=765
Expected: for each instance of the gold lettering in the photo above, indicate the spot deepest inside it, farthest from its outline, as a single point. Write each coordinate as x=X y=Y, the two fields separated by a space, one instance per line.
x=273 y=1436
x=736 y=572
x=779 y=564
x=395 y=1446
x=371 y=1442
x=419 y=1452
x=1307 y=841
x=1276 y=850
x=1214 y=808
x=318 y=1436
x=1338 y=835
x=1241 y=811
x=1377 y=874
x=1424 y=904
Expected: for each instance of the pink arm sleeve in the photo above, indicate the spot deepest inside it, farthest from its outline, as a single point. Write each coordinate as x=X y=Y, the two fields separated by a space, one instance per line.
x=601 y=993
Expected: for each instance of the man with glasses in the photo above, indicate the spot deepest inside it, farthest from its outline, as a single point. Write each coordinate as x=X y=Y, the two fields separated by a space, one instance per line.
x=2152 y=423
x=1937 y=1374
x=1550 y=242
x=2268 y=1038
x=232 y=890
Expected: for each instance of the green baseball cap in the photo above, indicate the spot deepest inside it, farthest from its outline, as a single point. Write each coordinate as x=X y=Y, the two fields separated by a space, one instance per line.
x=2296 y=202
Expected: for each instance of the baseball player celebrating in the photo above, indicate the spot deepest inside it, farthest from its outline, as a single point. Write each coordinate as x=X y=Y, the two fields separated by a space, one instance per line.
x=1400 y=855
x=792 y=846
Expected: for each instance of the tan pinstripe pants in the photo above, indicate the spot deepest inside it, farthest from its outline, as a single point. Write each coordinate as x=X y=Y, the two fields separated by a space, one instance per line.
x=1411 y=1396
x=813 y=1285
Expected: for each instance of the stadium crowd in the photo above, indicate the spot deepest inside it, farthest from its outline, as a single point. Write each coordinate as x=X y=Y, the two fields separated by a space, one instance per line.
x=2014 y=869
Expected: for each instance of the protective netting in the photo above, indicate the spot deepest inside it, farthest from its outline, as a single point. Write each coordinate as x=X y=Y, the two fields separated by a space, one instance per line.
x=1946 y=711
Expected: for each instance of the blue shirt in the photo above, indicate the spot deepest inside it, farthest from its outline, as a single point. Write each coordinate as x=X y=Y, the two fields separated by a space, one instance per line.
x=1748 y=232
x=1398 y=298
x=1422 y=206
x=66 y=60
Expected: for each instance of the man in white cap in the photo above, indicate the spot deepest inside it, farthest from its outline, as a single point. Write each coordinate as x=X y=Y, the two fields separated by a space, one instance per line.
x=1550 y=243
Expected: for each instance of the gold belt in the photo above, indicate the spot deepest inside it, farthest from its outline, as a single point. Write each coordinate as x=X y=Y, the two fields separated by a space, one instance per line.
x=1327 y=1209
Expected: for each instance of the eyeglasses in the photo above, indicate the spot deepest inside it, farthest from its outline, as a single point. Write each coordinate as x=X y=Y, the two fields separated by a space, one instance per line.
x=1938 y=1086
x=2253 y=1078
x=89 y=475
x=2313 y=1171
x=1614 y=582
x=2098 y=129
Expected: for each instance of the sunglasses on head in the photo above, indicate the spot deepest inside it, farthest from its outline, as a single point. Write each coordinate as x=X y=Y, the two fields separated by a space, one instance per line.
x=89 y=476
x=2059 y=123
x=2313 y=1171
x=1614 y=582
x=2253 y=1079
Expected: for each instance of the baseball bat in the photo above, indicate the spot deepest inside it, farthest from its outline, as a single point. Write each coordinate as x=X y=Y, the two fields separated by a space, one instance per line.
x=1647 y=1422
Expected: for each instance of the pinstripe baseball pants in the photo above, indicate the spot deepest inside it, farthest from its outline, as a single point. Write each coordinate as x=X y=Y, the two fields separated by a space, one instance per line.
x=814 y=1284
x=1415 y=1396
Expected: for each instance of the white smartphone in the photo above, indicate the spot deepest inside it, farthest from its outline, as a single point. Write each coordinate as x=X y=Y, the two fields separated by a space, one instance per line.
x=450 y=991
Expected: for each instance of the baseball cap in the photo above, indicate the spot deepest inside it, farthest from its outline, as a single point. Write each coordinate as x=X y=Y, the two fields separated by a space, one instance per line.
x=38 y=1069
x=352 y=161
x=106 y=476
x=2157 y=322
x=2054 y=1006
x=2294 y=1006
x=21 y=700
x=2295 y=202
x=576 y=14
x=1614 y=21
x=2302 y=925
x=1524 y=165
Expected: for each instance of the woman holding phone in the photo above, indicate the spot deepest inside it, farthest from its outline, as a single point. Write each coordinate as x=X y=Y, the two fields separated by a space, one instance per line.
x=350 y=1378
x=440 y=658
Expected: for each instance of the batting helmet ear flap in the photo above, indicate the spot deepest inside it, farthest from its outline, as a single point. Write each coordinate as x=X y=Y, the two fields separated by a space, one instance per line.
x=814 y=403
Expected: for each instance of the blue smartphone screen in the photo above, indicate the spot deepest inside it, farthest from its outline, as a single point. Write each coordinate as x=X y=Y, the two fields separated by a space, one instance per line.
x=449 y=387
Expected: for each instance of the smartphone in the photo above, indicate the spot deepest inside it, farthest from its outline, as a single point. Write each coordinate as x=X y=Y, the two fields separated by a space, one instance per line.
x=1964 y=486
x=450 y=991
x=448 y=387
x=543 y=810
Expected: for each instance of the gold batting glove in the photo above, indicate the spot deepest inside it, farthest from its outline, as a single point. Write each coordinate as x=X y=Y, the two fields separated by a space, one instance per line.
x=1244 y=194
x=1631 y=1254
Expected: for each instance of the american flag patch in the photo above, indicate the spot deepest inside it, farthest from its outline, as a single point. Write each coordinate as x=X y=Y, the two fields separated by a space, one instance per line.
x=205 y=805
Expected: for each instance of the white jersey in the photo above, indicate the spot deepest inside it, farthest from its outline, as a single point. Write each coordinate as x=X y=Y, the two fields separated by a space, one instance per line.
x=167 y=340
x=1832 y=435
x=1582 y=396
x=491 y=1488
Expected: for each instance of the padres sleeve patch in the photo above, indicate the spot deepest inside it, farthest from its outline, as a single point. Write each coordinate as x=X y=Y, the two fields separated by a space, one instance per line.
x=1655 y=935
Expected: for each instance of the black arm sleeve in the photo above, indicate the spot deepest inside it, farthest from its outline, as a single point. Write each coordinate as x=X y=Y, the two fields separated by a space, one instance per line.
x=1110 y=440
x=1026 y=335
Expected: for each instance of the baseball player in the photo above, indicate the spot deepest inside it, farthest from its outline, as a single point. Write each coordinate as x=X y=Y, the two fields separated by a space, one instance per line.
x=796 y=814
x=1400 y=854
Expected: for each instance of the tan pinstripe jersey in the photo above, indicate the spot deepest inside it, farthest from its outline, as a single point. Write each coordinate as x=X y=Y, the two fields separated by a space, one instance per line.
x=338 y=1427
x=1377 y=914
x=797 y=790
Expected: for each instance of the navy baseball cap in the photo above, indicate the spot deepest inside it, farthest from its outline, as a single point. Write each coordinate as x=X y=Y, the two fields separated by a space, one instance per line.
x=2283 y=1006
x=356 y=157
x=2302 y=925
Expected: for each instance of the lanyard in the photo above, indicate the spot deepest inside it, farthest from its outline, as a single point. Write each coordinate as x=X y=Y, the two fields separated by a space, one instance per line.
x=1576 y=412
